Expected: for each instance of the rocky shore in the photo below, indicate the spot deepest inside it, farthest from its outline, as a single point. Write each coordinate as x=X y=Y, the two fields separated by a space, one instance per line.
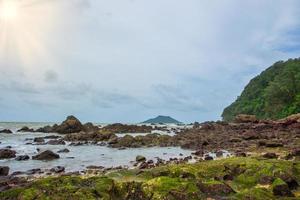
x=264 y=162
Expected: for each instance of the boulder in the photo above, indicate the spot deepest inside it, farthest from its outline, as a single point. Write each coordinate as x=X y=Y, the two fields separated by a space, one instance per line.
x=7 y=153
x=280 y=188
x=25 y=129
x=56 y=142
x=7 y=131
x=46 y=155
x=70 y=125
x=216 y=188
x=140 y=158
x=243 y=118
x=270 y=155
x=4 y=170
x=22 y=157
x=39 y=140
x=63 y=151
x=57 y=169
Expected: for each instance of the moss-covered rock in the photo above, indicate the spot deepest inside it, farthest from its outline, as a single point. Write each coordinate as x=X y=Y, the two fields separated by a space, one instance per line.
x=185 y=181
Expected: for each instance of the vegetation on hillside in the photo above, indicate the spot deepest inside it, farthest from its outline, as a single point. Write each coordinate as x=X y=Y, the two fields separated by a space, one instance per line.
x=274 y=94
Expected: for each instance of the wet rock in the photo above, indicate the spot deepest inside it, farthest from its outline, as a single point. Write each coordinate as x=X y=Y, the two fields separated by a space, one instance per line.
x=290 y=181
x=199 y=152
x=39 y=140
x=56 y=142
x=22 y=157
x=33 y=171
x=140 y=158
x=63 y=151
x=46 y=155
x=7 y=131
x=58 y=169
x=208 y=157
x=219 y=154
x=4 y=170
x=270 y=155
x=25 y=129
x=94 y=167
x=215 y=189
x=280 y=188
x=7 y=153
x=70 y=125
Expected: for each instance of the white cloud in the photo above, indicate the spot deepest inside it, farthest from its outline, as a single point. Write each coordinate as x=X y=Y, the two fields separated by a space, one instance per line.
x=187 y=58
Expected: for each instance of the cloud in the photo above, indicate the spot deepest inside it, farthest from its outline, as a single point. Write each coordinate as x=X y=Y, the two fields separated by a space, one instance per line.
x=127 y=60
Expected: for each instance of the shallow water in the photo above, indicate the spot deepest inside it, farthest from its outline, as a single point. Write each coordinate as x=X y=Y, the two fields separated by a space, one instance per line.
x=83 y=155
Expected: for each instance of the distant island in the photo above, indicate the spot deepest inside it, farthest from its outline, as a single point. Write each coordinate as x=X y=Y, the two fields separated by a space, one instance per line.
x=162 y=119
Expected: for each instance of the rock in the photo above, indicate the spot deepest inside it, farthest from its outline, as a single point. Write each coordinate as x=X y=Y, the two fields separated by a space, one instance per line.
x=4 y=170
x=94 y=167
x=295 y=152
x=219 y=154
x=70 y=125
x=280 y=188
x=58 y=169
x=208 y=157
x=290 y=181
x=240 y=154
x=270 y=155
x=274 y=144
x=242 y=118
x=250 y=135
x=199 y=153
x=215 y=188
x=46 y=155
x=25 y=129
x=56 y=142
x=140 y=158
x=125 y=128
x=39 y=140
x=7 y=131
x=33 y=171
x=63 y=151
x=22 y=157
x=266 y=180
x=7 y=153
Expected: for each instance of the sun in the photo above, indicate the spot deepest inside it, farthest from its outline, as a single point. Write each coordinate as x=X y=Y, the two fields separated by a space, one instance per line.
x=8 y=9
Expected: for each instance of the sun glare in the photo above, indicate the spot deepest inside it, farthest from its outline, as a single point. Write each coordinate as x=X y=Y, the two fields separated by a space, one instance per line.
x=8 y=9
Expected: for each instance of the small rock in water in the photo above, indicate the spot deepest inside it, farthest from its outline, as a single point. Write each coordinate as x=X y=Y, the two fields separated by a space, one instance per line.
x=39 y=140
x=140 y=158
x=22 y=157
x=7 y=131
x=4 y=170
x=46 y=155
x=25 y=129
x=63 y=151
x=207 y=157
x=56 y=142
x=57 y=169
x=7 y=153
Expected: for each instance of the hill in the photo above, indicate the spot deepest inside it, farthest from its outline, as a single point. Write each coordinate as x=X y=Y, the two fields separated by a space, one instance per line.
x=273 y=94
x=162 y=119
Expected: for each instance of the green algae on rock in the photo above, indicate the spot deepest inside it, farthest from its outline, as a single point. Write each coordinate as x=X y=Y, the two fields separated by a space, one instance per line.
x=185 y=181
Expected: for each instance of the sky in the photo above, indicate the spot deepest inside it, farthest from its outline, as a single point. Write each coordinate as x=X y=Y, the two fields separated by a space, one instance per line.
x=130 y=60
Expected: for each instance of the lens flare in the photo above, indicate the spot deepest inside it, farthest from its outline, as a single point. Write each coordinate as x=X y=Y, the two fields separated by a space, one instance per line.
x=8 y=9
